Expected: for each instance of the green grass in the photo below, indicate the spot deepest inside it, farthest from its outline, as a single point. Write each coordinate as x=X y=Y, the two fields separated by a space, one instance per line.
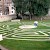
x=21 y=44
x=26 y=45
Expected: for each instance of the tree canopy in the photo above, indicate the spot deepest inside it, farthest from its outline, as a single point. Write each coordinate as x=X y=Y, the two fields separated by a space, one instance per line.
x=36 y=7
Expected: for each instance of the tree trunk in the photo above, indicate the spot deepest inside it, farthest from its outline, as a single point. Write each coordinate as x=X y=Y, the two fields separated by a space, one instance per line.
x=41 y=18
x=22 y=17
x=30 y=16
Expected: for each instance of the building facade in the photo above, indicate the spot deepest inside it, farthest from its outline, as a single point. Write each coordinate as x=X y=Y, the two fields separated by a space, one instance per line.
x=6 y=7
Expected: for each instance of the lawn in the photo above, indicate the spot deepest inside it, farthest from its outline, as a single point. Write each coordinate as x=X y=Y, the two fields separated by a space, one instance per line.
x=26 y=45
x=25 y=39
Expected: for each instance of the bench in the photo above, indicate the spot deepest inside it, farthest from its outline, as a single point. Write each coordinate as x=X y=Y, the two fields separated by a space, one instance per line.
x=17 y=20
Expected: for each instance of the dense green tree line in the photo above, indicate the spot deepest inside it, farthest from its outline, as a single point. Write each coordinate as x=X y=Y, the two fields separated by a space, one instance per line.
x=35 y=7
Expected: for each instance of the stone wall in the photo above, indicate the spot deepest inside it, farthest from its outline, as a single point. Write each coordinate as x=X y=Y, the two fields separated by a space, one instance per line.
x=41 y=18
x=46 y=18
x=7 y=17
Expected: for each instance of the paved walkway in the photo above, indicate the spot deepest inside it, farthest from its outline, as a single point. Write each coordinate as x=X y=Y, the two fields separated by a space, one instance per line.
x=27 y=35
x=24 y=34
x=2 y=48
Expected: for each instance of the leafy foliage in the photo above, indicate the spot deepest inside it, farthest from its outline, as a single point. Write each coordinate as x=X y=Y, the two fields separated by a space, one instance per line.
x=40 y=7
x=37 y=7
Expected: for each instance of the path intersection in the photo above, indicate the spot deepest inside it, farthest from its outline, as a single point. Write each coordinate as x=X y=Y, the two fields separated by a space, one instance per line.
x=24 y=34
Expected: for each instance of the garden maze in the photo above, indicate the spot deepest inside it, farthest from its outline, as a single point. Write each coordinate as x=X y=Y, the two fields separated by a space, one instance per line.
x=24 y=34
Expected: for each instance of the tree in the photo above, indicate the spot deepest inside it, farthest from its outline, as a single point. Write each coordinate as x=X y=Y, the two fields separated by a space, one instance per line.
x=20 y=6
x=38 y=7
x=35 y=7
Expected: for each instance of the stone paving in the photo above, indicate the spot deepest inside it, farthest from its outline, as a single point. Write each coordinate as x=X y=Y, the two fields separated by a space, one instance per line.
x=19 y=34
x=24 y=34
